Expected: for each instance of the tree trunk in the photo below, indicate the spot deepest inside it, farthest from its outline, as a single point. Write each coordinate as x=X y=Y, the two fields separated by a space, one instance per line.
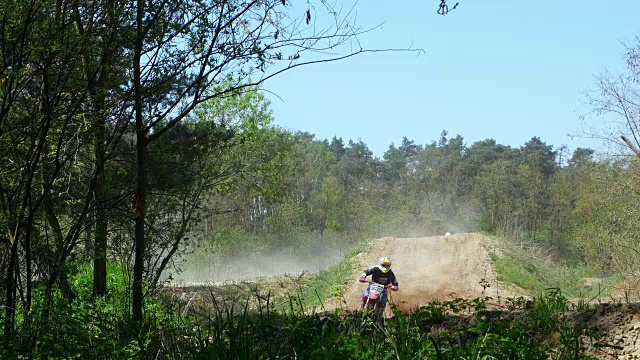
x=58 y=271
x=28 y=264
x=10 y=305
x=141 y=184
x=88 y=234
x=63 y=282
x=97 y=102
x=138 y=266
x=101 y=220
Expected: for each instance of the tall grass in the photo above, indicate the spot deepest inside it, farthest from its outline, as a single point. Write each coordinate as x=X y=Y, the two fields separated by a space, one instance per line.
x=531 y=270
x=457 y=329
x=101 y=328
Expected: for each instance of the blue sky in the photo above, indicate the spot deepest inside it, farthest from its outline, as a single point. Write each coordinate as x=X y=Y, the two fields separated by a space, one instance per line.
x=502 y=69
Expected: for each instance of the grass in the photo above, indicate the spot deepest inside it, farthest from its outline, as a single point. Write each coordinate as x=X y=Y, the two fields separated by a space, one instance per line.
x=332 y=282
x=532 y=272
x=456 y=329
x=87 y=327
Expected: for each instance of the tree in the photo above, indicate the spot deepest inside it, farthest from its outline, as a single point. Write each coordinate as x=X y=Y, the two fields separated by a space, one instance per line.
x=612 y=204
x=606 y=214
x=337 y=147
x=539 y=156
x=43 y=137
x=483 y=153
x=104 y=58
x=617 y=97
x=581 y=157
x=355 y=166
x=409 y=148
x=228 y=40
x=326 y=202
x=393 y=164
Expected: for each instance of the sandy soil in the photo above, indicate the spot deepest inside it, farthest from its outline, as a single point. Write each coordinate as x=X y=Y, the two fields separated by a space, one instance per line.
x=430 y=268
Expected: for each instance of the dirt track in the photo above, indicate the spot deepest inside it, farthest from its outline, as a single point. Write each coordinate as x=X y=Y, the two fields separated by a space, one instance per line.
x=430 y=268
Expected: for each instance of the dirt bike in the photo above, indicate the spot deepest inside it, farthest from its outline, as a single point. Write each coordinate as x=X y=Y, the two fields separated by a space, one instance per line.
x=371 y=302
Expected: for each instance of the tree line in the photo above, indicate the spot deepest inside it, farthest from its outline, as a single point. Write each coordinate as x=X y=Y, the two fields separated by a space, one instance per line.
x=578 y=207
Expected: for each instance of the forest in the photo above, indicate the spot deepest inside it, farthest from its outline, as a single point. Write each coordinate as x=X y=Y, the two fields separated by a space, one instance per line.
x=133 y=134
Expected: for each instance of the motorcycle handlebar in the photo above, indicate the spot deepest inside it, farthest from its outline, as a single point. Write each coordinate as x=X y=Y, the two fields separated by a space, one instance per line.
x=389 y=286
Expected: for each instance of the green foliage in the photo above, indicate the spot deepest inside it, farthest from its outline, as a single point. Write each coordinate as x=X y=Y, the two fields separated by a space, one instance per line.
x=531 y=271
x=81 y=280
x=326 y=201
x=607 y=213
x=540 y=156
x=97 y=328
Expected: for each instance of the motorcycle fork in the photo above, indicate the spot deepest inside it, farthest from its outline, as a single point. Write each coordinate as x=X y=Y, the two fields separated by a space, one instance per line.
x=375 y=305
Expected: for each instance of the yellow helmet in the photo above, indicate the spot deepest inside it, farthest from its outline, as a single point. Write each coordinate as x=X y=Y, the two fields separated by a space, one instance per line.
x=385 y=261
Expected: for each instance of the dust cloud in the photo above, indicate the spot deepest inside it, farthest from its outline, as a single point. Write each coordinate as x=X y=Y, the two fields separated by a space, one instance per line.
x=202 y=268
x=311 y=255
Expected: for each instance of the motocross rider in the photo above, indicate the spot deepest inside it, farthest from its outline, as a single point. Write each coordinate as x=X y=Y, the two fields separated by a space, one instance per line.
x=383 y=275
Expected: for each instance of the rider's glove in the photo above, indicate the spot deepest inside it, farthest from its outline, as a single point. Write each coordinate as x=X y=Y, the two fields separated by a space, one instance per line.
x=363 y=278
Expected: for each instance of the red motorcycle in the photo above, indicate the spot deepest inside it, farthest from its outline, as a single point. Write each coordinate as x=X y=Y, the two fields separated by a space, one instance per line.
x=371 y=301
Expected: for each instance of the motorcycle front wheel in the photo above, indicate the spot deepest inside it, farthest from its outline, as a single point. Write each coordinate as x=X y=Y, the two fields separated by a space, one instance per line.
x=372 y=305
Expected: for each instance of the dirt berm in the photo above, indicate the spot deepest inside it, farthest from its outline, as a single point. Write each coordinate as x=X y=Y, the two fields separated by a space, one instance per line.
x=428 y=269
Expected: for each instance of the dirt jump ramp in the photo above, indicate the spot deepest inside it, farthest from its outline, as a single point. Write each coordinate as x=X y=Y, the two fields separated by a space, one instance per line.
x=428 y=269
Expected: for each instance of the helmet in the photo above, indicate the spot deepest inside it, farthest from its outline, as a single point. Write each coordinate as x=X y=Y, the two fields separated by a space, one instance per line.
x=385 y=261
